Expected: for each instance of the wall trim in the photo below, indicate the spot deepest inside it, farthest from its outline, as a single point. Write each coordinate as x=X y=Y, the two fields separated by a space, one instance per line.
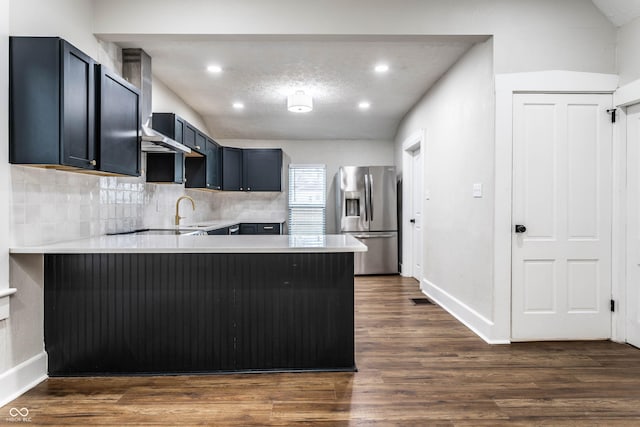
x=506 y=85
x=22 y=378
x=473 y=320
x=628 y=94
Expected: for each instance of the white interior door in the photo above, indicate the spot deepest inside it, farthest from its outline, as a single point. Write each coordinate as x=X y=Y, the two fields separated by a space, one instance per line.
x=561 y=264
x=416 y=215
x=633 y=225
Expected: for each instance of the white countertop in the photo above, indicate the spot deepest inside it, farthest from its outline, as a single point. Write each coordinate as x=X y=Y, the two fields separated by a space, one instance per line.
x=131 y=243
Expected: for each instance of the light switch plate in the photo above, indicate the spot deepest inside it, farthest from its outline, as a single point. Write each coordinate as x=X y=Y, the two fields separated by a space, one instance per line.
x=477 y=189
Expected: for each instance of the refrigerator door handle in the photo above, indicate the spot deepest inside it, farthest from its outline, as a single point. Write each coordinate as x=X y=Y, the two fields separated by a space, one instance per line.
x=371 y=196
x=366 y=197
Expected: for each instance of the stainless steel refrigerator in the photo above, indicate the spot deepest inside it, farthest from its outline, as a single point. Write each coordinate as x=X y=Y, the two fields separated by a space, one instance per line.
x=366 y=208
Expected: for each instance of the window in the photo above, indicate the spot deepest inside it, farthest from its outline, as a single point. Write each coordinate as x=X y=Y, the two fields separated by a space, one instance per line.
x=307 y=199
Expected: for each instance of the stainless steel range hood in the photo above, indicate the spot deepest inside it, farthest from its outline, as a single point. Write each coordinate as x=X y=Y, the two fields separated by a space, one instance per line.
x=155 y=142
x=136 y=68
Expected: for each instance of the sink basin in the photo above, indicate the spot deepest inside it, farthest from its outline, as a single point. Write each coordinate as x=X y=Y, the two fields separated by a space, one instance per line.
x=172 y=232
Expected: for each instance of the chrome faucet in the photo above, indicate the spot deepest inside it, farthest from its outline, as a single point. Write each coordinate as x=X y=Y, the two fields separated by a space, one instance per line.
x=178 y=217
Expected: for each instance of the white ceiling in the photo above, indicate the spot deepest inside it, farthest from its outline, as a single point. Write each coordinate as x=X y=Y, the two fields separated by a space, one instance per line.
x=619 y=12
x=336 y=71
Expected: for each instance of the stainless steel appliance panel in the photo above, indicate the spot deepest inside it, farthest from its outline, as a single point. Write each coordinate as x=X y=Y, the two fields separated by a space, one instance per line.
x=382 y=254
x=352 y=199
x=382 y=209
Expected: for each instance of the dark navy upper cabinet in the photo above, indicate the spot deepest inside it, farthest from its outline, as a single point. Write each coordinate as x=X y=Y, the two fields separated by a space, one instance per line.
x=189 y=136
x=201 y=143
x=169 y=124
x=78 y=109
x=118 y=124
x=204 y=171
x=232 y=169
x=251 y=169
x=262 y=169
x=214 y=166
x=67 y=111
x=167 y=167
x=52 y=103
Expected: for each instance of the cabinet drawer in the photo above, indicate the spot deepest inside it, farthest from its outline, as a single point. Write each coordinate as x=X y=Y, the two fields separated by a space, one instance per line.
x=273 y=228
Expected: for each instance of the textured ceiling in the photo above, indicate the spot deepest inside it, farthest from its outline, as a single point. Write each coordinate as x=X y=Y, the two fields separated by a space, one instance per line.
x=619 y=12
x=336 y=71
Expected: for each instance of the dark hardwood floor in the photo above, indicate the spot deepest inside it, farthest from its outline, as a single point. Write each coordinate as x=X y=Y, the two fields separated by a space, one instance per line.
x=417 y=366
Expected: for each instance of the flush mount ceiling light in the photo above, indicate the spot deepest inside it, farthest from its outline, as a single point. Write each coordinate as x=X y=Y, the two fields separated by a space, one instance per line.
x=238 y=105
x=364 y=105
x=299 y=102
x=381 y=68
x=214 y=69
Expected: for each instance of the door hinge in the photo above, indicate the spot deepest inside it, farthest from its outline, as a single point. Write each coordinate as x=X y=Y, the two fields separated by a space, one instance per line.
x=612 y=111
x=613 y=306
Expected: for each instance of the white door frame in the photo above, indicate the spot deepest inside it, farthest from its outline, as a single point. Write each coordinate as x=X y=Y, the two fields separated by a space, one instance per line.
x=506 y=86
x=625 y=96
x=411 y=143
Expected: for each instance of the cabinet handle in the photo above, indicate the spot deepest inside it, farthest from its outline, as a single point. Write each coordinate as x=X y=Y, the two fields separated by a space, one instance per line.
x=268 y=228
x=93 y=162
x=240 y=188
x=208 y=185
x=248 y=188
x=198 y=147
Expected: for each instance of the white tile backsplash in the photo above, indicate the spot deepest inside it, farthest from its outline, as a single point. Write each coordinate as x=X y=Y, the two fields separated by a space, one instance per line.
x=48 y=205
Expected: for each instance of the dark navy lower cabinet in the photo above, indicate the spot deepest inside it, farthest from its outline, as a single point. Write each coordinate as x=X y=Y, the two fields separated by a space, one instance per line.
x=111 y=314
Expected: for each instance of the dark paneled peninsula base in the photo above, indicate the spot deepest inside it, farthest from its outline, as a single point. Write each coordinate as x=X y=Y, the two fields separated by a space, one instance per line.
x=189 y=313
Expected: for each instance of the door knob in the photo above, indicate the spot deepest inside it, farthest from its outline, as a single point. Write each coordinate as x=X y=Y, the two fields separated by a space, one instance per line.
x=412 y=221
x=520 y=228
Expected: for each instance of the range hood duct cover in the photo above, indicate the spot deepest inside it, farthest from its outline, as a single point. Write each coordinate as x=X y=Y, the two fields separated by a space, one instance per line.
x=136 y=69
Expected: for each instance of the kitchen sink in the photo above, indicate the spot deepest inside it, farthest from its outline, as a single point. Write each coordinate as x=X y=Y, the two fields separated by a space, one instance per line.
x=163 y=232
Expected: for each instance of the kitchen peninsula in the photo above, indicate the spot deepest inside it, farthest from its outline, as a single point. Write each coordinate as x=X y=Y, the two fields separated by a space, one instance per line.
x=157 y=304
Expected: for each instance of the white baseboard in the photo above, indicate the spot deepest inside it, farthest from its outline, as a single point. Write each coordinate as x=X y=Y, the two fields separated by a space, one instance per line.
x=473 y=320
x=22 y=378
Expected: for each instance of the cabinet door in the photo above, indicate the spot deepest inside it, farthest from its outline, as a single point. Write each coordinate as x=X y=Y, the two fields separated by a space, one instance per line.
x=189 y=136
x=262 y=169
x=78 y=144
x=231 y=169
x=248 y=228
x=178 y=129
x=118 y=124
x=213 y=165
x=201 y=143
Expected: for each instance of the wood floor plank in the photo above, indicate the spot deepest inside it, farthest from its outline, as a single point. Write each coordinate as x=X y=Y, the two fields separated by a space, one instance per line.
x=417 y=366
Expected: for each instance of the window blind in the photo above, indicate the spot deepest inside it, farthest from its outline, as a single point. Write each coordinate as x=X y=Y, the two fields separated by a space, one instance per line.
x=307 y=199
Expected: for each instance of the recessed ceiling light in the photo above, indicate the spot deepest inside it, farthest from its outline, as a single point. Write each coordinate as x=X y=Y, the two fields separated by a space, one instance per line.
x=364 y=105
x=214 y=69
x=381 y=68
x=238 y=105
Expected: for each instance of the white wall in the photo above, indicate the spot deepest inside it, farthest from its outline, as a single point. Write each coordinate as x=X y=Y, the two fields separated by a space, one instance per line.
x=628 y=60
x=164 y=100
x=331 y=153
x=457 y=114
x=530 y=35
